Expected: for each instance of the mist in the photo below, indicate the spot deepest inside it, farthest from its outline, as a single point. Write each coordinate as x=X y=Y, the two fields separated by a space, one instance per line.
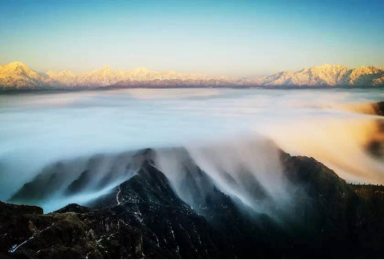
x=237 y=132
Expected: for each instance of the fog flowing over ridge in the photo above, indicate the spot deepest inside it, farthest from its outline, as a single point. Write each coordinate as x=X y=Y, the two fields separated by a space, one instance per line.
x=17 y=75
x=80 y=145
x=231 y=167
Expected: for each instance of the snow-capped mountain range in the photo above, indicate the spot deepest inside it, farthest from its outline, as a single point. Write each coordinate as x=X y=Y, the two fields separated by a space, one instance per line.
x=17 y=75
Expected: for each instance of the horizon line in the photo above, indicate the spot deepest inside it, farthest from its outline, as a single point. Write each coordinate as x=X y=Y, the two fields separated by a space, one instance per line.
x=193 y=73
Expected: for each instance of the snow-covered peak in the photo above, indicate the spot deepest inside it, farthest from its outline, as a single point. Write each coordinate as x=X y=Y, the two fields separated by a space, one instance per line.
x=141 y=71
x=16 y=64
x=327 y=75
x=13 y=66
x=17 y=74
x=51 y=73
x=106 y=68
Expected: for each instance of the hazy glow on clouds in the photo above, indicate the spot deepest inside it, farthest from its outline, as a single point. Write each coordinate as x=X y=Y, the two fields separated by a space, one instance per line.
x=241 y=38
x=39 y=129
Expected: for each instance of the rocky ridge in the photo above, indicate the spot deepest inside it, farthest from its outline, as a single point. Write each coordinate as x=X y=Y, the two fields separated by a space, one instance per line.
x=144 y=218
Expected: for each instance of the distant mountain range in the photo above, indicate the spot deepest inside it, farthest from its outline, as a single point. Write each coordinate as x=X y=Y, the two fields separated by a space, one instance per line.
x=17 y=75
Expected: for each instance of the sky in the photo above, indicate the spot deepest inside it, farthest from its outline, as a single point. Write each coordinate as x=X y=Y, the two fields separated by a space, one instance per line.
x=234 y=38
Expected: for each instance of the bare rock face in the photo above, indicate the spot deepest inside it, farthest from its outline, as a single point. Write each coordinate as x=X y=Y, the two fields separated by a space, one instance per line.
x=144 y=218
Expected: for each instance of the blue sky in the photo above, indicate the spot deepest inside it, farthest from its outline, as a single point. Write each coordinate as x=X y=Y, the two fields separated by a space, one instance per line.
x=236 y=38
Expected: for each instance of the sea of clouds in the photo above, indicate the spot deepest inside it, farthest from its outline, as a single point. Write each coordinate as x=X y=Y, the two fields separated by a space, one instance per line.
x=40 y=129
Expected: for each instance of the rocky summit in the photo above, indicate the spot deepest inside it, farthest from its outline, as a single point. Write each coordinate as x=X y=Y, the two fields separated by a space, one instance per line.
x=143 y=217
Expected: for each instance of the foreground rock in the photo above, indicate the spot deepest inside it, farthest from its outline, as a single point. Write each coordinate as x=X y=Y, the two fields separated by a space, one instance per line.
x=144 y=218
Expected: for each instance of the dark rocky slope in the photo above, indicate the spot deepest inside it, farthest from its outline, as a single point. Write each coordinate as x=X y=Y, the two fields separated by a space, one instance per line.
x=337 y=219
x=144 y=218
x=379 y=108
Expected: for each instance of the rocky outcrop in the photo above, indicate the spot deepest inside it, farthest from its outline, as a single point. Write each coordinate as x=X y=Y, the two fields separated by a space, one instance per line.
x=88 y=234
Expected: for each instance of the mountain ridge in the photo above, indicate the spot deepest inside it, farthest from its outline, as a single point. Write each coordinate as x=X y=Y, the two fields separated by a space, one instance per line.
x=17 y=75
x=143 y=217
